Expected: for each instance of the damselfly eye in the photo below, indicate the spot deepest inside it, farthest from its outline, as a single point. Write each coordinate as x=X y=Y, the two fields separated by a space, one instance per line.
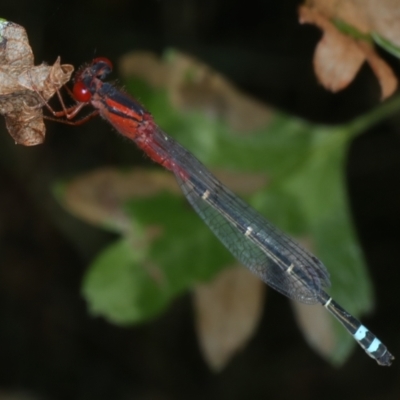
x=81 y=92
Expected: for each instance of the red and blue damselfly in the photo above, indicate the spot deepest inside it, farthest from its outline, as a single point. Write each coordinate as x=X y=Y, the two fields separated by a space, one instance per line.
x=272 y=255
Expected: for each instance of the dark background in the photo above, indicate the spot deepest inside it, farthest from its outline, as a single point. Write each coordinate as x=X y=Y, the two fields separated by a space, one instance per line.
x=49 y=346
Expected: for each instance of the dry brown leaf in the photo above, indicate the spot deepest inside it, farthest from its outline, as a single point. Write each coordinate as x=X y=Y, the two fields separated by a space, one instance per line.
x=98 y=196
x=338 y=56
x=228 y=311
x=23 y=86
x=316 y=325
x=337 y=59
x=194 y=85
x=314 y=321
x=379 y=16
x=383 y=72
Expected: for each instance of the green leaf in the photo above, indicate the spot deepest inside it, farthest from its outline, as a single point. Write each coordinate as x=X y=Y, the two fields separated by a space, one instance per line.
x=122 y=286
x=135 y=278
x=186 y=248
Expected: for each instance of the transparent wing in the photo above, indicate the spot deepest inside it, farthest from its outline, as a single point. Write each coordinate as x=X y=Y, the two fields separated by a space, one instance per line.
x=273 y=256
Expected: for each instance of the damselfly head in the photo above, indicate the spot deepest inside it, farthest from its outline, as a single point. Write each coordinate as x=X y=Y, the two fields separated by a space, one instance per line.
x=101 y=67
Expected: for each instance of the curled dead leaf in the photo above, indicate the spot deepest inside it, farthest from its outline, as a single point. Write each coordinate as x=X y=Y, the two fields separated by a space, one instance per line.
x=24 y=119
x=24 y=87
